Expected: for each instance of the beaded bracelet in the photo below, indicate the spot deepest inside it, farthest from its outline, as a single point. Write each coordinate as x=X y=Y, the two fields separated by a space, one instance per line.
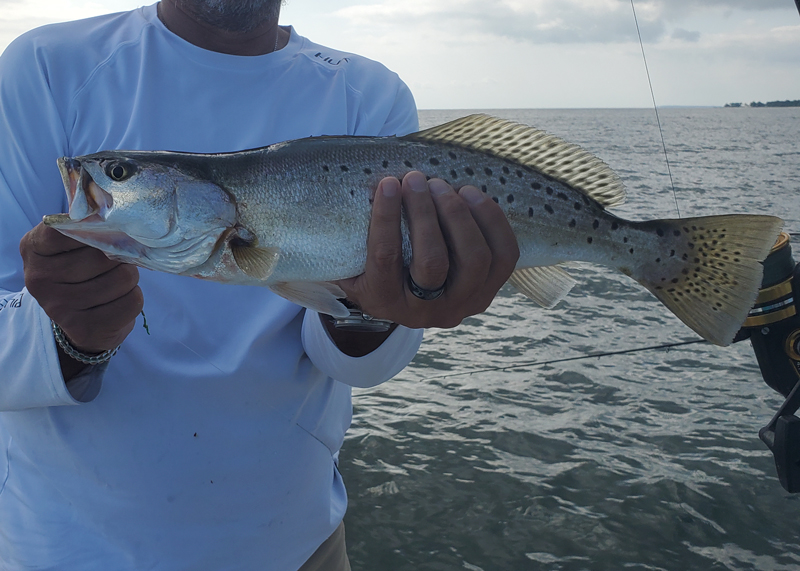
x=71 y=351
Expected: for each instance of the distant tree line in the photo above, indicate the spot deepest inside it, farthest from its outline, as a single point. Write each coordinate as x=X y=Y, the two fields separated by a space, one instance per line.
x=787 y=103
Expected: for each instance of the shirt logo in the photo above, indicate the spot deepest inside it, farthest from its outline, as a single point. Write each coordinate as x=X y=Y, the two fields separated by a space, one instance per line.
x=329 y=60
x=12 y=302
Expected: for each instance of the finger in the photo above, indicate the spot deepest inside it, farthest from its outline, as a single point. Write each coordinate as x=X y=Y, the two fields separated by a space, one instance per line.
x=103 y=289
x=104 y=327
x=75 y=266
x=46 y=241
x=429 y=260
x=470 y=253
x=384 y=243
x=497 y=233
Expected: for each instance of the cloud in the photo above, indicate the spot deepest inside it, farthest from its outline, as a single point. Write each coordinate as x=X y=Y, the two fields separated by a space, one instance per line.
x=548 y=21
x=685 y=35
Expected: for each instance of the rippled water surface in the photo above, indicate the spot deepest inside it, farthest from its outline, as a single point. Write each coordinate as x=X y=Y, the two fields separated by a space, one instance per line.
x=479 y=457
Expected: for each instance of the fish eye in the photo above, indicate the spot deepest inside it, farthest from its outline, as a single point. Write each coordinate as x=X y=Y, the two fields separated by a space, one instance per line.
x=119 y=171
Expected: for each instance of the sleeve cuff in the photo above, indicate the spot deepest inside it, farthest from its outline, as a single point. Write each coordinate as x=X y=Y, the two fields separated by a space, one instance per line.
x=29 y=350
x=381 y=365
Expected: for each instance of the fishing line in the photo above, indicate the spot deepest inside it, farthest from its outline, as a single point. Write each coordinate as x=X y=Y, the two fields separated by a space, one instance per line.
x=655 y=108
x=566 y=359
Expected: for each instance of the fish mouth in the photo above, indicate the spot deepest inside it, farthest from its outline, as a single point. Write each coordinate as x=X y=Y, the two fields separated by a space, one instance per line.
x=89 y=206
x=86 y=198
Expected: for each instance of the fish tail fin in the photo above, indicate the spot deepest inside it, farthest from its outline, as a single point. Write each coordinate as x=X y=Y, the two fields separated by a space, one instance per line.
x=710 y=270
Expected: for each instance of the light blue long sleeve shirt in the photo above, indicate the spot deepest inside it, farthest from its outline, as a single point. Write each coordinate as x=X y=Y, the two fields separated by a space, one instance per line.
x=210 y=443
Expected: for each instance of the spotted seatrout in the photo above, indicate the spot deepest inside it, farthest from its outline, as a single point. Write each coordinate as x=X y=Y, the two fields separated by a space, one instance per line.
x=294 y=216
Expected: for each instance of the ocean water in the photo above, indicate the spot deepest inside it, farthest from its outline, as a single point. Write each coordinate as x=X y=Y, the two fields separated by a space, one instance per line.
x=479 y=457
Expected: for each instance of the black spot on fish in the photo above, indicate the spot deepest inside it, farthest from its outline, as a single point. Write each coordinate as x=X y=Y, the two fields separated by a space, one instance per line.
x=530 y=212
x=496 y=199
x=675 y=280
x=631 y=250
x=676 y=232
x=407 y=163
x=658 y=260
x=586 y=200
x=385 y=164
x=453 y=173
x=352 y=192
x=659 y=231
x=577 y=206
x=562 y=196
x=589 y=239
x=488 y=171
x=537 y=186
x=548 y=208
x=519 y=173
x=367 y=171
x=625 y=240
x=614 y=225
x=434 y=161
x=505 y=170
x=427 y=177
x=572 y=223
x=325 y=168
x=690 y=245
x=510 y=198
x=671 y=253
x=548 y=190
x=344 y=168
x=451 y=154
x=596 y=224
x=502 y=180
x=469 y=171
x=483 y=187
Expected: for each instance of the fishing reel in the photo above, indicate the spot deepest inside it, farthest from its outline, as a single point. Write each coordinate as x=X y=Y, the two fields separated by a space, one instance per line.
x=773 y=327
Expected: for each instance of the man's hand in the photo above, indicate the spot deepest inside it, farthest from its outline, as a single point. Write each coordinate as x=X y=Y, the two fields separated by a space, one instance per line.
x=461 y=240
x=95 y=300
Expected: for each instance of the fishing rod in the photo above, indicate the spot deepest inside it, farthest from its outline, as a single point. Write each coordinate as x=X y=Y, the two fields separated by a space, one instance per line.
x=597 y=355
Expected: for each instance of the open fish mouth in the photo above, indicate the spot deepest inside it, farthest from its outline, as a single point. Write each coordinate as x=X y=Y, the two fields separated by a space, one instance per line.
x=89 y=206
x=86 y=197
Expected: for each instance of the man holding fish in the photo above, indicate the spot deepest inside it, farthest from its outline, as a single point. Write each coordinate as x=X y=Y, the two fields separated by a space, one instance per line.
x=212 y=442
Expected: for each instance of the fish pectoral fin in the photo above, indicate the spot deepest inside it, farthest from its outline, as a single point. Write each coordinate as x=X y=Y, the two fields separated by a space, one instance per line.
x=546 y=285
x=255 y=261
x=322 y=297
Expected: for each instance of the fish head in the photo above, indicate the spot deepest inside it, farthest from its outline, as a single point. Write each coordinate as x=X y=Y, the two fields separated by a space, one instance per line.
x=142 y=208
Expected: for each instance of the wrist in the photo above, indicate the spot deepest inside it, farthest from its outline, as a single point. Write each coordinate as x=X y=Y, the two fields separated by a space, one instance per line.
x=70 y=351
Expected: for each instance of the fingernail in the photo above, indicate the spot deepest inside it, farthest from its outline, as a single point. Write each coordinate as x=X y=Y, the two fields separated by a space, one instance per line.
x=389 y=186
x=438 y=186
x=417 y=182
x=472 y=194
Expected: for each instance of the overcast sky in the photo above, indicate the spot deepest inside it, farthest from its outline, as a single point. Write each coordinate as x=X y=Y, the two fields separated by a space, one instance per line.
x=489 y=54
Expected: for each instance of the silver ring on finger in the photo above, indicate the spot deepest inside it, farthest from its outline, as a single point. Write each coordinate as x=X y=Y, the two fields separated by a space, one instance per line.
x=421 y=292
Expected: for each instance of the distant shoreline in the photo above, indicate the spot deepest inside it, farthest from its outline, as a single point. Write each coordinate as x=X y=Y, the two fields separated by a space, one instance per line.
x=787 y=103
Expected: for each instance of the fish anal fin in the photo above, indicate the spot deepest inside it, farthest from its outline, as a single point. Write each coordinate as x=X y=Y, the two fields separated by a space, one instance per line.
x=546 y=285
x=322 y=297
x=527 y=146
x=255 y=261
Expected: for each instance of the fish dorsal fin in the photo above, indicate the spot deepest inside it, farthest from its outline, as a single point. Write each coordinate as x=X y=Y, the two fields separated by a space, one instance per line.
x=546 y=285
x=255 y=261
x=546 y=153
x=322 y=297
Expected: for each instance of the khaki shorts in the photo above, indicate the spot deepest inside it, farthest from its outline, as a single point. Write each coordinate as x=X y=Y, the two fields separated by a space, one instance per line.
x=331 y=555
